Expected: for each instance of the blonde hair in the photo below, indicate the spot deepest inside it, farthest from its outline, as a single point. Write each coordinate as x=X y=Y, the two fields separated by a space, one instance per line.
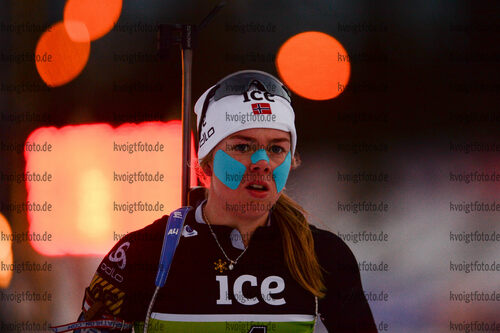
x=297 y=239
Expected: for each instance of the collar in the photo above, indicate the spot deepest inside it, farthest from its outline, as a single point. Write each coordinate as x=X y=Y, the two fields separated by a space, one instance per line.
x=235 y=236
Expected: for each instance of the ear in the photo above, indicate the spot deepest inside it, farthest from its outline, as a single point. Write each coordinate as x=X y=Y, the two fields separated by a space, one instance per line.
x=296 y=161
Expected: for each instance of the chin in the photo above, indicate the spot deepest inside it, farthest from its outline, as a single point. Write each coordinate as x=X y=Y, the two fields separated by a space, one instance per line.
x=245 y=203
x=247 y=206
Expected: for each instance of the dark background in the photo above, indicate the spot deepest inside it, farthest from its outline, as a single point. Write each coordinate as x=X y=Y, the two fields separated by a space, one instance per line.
x=426 y=72
x=423 y=64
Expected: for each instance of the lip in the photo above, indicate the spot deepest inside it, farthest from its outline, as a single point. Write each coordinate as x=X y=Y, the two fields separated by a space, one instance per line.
x=256 y=193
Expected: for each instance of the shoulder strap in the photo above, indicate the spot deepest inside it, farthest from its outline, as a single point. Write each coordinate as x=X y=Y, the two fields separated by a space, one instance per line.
x=173 y=233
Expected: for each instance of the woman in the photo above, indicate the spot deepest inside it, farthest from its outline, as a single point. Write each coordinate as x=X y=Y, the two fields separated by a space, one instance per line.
x=247 y=261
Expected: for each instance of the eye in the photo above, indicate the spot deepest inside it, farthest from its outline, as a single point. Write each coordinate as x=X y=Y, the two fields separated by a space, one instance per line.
x=275 y=149
x=242 y=147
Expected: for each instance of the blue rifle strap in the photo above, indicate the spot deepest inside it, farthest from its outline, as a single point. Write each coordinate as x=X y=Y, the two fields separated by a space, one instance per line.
x=173 y=233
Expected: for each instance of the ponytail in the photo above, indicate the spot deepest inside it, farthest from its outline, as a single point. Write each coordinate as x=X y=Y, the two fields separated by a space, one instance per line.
x=298 y=245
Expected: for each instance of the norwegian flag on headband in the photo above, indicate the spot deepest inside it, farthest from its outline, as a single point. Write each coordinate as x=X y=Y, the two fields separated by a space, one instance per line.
x=261 y=108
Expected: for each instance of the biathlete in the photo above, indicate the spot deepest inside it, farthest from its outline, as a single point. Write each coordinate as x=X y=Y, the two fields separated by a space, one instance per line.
x=248 y=260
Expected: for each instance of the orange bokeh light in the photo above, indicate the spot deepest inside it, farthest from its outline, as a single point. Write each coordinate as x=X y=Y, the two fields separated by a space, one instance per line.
x=93 y=198
x=314 y=65
x=97 y=16
x=60 y=59
x=5 y=252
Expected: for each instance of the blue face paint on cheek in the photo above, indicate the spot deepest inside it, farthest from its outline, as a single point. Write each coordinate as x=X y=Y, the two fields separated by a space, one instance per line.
x=280 y=173
x=228 y=170
x=259 y=155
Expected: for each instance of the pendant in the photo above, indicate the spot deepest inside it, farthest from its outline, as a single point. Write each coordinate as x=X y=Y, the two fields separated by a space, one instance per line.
x=231 y=266
x=220 y=265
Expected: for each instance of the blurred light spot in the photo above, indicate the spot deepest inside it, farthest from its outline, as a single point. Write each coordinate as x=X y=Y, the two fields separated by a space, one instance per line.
x=5 y=252
x=94 y=214
x=77 y=31
x=314 y=65
x=97 y=16
x=93 y=188
x=64 y=58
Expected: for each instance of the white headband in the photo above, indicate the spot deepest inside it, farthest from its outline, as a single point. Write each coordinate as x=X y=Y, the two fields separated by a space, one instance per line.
x=234 y=113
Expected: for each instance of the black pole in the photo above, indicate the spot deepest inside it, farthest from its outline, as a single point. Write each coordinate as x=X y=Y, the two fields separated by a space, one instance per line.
x=187 y=61
x=175 y=34
x=211 y=15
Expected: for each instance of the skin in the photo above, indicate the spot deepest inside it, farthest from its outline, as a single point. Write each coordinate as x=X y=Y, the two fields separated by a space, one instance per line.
x=222 y=201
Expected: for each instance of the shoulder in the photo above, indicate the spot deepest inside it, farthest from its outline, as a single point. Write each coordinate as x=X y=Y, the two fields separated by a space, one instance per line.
x=332 y=252
x=144 y=245
x=125 y=276
x=141 y=241
x=134 y=253
x=149 y=232
x=327 y=240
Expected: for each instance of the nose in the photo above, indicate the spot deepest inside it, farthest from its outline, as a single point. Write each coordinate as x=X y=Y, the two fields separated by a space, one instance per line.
x=260 y=161
x=261 y=165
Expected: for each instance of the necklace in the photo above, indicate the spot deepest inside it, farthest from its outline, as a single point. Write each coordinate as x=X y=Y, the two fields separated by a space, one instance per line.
x=232 y=263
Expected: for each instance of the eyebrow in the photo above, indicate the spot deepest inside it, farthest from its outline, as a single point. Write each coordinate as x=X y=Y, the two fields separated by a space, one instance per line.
x=247 y=138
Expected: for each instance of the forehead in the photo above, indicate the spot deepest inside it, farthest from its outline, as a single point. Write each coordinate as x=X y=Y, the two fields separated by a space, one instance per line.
x=260 y=134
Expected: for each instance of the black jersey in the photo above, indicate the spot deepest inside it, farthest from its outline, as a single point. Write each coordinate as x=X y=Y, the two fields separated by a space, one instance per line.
x=202 y=294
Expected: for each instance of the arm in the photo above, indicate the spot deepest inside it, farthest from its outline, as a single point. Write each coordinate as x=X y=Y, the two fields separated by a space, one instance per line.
x=105 y=296
x=344 y=308
x=99 y=307
x=124 y=281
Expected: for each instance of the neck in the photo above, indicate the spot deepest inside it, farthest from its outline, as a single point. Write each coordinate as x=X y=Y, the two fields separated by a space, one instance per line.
x=246 y=225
